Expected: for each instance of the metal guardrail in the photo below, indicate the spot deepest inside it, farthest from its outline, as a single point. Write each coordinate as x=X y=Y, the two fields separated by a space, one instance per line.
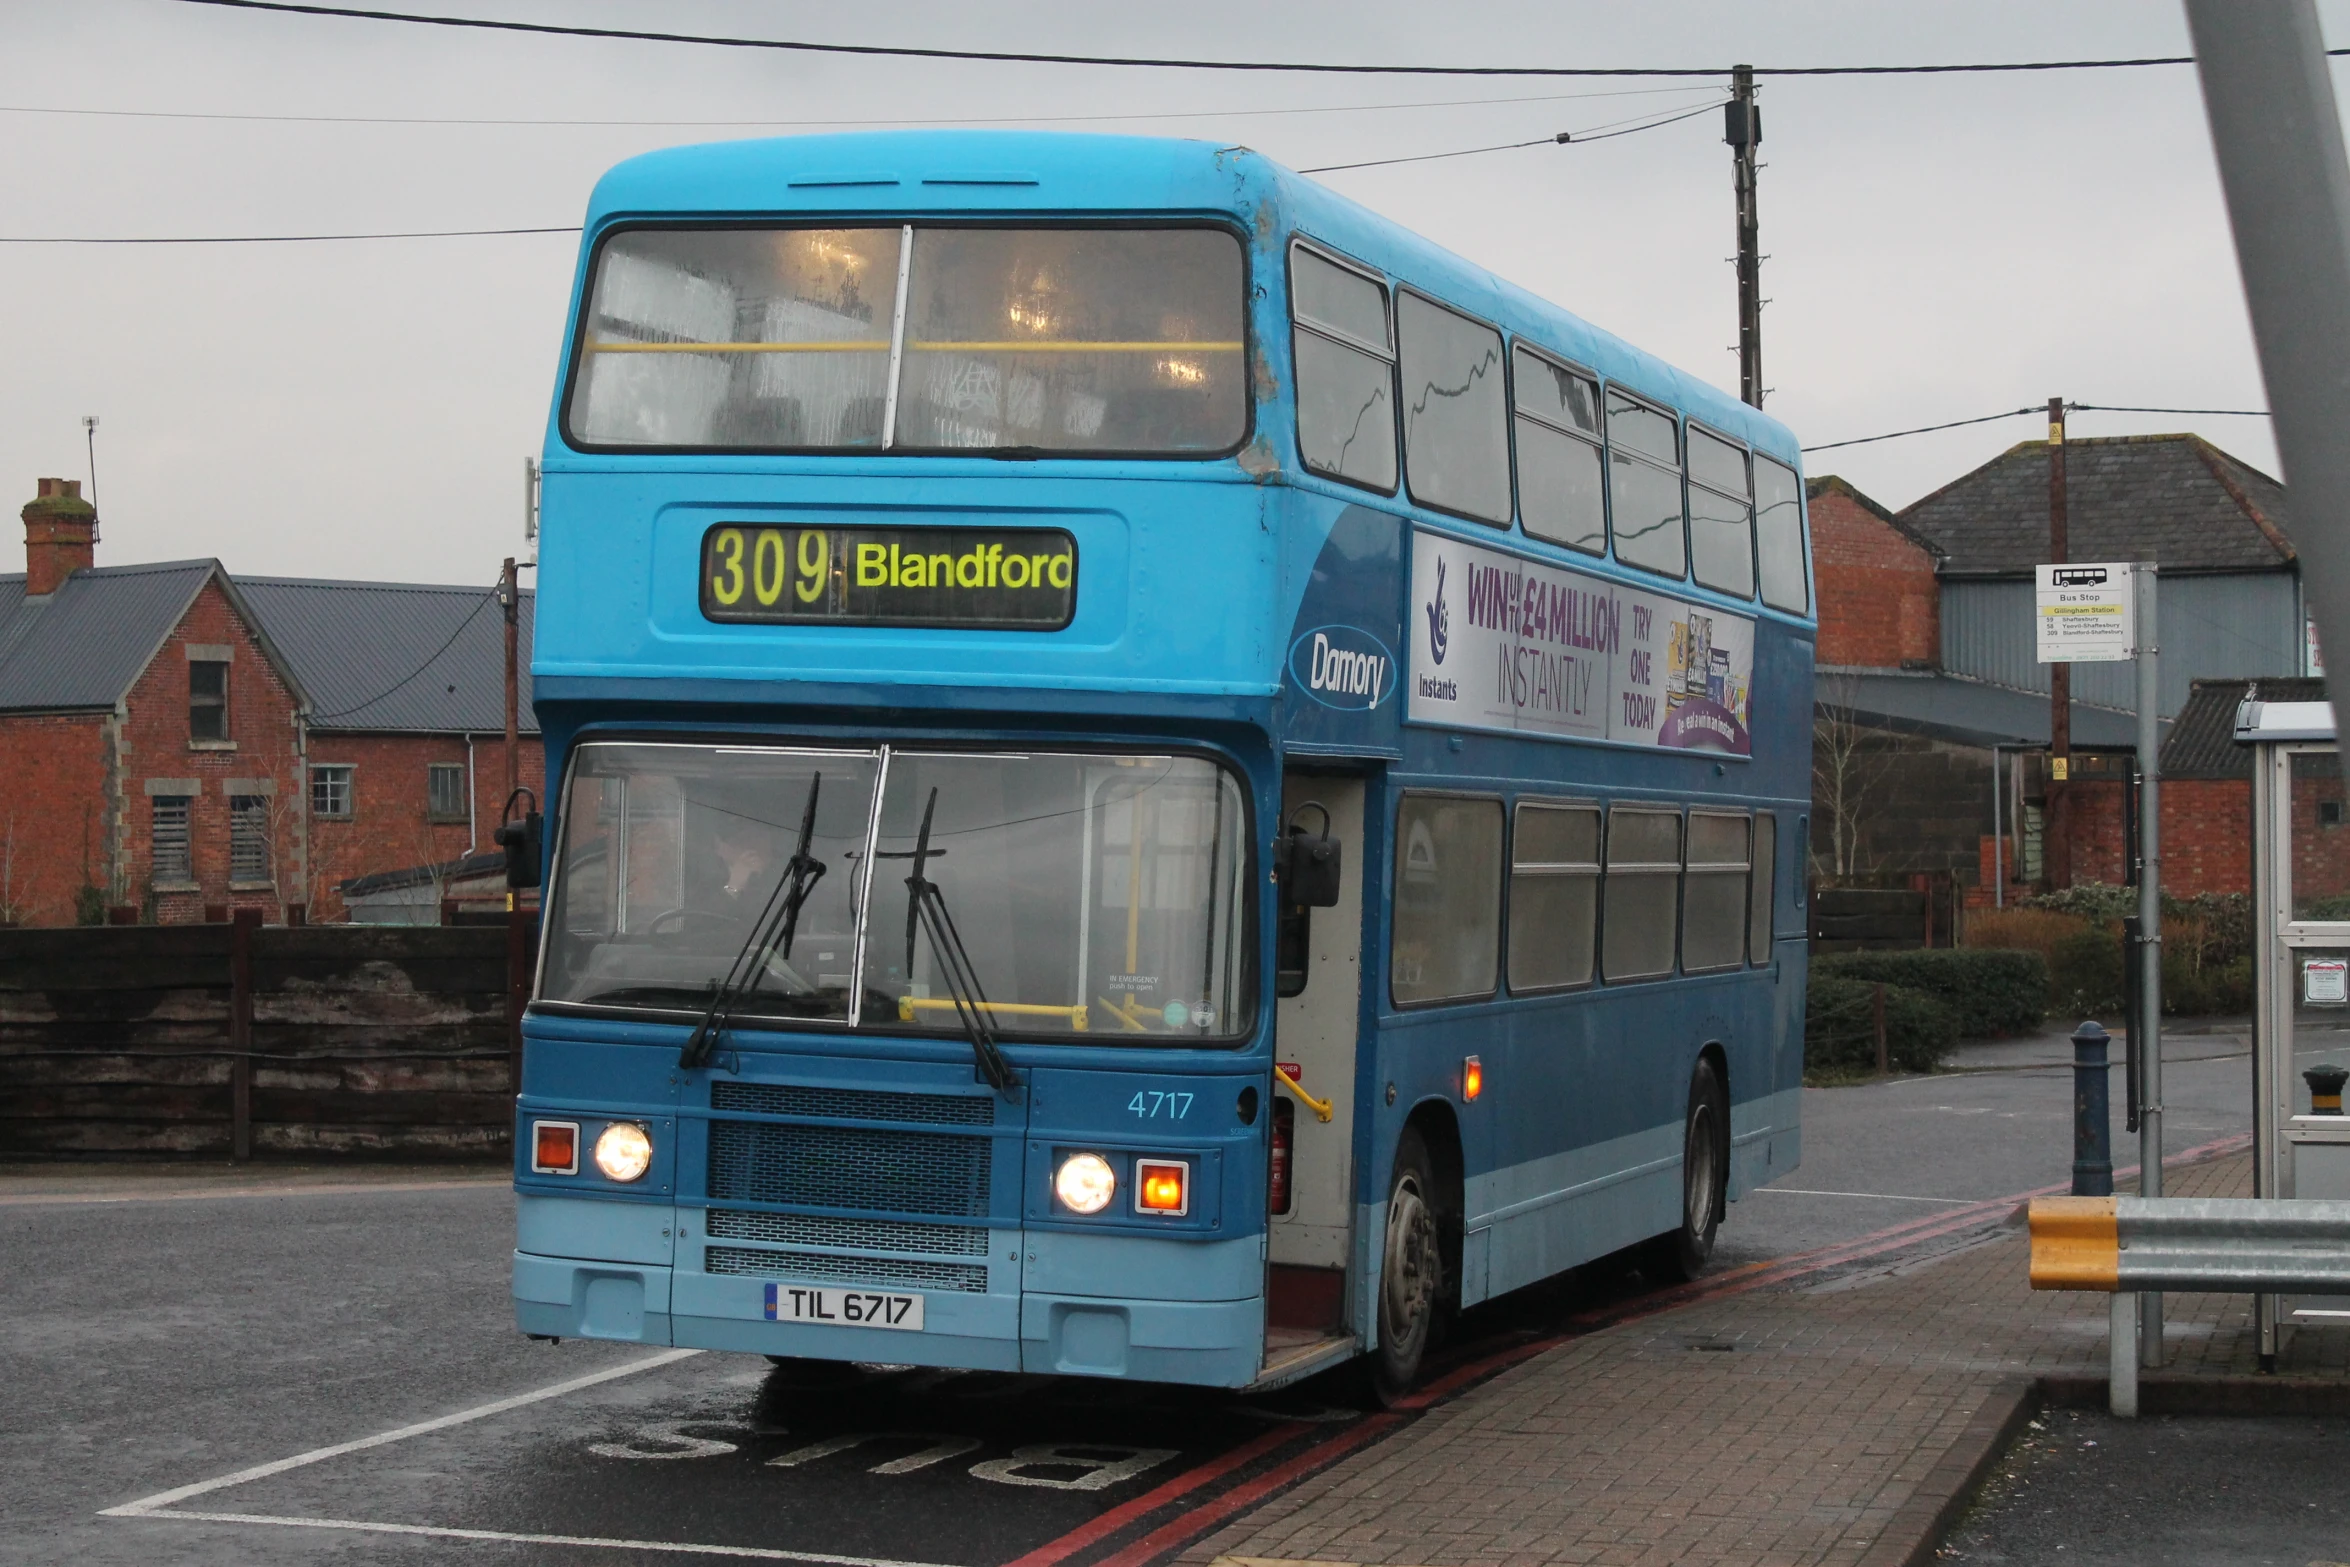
x=2124 y=1246
x=2225 y=1245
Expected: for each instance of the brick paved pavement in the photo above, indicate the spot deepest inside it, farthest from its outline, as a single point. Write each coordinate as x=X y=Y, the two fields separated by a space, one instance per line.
x=1824 y=1419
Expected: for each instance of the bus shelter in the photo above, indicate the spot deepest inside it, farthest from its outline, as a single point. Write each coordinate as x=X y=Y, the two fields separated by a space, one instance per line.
x=2301 y=962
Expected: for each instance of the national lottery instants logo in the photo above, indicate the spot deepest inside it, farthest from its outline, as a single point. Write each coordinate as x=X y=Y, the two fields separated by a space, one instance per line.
x=1439 y=617
x=1343 y=667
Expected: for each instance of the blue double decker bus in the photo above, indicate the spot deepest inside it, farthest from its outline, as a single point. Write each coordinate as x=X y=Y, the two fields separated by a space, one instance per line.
x=1157 y=777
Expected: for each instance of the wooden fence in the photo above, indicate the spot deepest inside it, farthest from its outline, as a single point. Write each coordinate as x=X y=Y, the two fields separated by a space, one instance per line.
x=238 y=1039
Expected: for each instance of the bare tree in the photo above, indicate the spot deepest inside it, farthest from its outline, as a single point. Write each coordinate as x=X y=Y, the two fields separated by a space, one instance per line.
x=1851 y=765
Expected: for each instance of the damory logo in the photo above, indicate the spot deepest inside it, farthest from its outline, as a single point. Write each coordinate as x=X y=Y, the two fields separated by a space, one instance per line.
x=1439 y=617
x=1342 y=666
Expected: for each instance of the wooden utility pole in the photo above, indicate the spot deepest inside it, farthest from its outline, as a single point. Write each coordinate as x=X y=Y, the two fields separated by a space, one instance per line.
x=509 y=599
x=1742 y=129
x=2056 y=835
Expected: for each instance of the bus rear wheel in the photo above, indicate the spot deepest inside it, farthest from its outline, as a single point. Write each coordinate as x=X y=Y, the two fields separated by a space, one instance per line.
x=1410 y=1271
x=1682 y=1253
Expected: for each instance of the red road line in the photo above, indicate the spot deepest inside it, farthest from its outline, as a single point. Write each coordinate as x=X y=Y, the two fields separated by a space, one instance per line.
x=1198 y=1521
x=1149 y=1502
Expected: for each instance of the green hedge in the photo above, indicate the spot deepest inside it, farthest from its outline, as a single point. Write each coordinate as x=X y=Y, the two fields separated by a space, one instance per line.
x=1988 y=991
x=1839 y=1027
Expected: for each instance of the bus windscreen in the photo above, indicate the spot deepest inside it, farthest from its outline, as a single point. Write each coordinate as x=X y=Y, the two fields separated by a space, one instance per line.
x=1090 y=896
x=1066 y=341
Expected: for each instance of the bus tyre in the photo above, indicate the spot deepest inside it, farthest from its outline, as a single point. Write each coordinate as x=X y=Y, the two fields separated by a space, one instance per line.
x=1705 y=1148
x=1410 y=1271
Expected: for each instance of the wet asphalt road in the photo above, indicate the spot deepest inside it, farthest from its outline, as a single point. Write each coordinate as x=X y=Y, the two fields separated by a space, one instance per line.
x=153 y=1345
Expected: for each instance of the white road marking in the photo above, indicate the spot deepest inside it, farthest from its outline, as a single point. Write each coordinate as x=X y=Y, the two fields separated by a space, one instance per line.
x=501 y=1536
x=1803 y=1191
x=146 y=1505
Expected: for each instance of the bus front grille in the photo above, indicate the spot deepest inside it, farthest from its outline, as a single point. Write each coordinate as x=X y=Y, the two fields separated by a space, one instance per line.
x=853 y=1104
x=849 y=1167
x=808 y=1229
x=969 y=1278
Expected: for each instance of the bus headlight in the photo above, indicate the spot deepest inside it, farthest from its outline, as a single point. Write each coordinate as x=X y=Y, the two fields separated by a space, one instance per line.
x=1085 y=1183
x=624 y=1153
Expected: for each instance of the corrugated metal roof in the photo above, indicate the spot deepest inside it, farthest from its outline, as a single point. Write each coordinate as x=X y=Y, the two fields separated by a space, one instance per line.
x=83 y=646
x=2202 y=744
x=395 y=656
x=2175 y=499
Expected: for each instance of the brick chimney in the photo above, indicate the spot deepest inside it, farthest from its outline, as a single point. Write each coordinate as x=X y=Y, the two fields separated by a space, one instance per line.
x=60 y=536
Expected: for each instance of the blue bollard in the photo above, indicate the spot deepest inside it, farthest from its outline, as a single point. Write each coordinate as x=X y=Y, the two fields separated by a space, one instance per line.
x=2092 y=1114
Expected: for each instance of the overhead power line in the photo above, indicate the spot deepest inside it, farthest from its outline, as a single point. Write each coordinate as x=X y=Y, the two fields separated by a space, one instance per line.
x=2037 y=408
x=1174 y=62
x=1563 y=138
x=895 y=120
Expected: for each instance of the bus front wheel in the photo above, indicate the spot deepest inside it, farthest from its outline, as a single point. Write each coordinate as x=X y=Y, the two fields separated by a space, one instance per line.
x=1410 y=1271
x=1683 y=1252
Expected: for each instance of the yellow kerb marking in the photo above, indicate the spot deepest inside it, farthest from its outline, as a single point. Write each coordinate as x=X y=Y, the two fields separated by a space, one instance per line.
x=2076 y=1244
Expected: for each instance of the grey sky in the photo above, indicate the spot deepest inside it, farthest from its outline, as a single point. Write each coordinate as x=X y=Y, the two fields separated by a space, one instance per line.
x=1938 y=247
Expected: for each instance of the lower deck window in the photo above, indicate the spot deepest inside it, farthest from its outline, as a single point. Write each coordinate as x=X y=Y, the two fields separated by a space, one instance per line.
x=1713 y=906
x=1761 y=895
x=1554 y=896
x=1447 y=926
x=1643 y=881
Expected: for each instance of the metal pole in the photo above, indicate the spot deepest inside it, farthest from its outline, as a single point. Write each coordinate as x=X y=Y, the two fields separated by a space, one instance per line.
x=2278 y=140
x=1998 y=833
x=1742 y=129
x=2056 y=838
x=2121 y=1360
x=2092 y=1113
x=2143 y=583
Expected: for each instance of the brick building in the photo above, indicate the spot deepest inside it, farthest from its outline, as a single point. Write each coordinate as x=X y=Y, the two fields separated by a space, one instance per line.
x=1919 y=705
x=178 y=742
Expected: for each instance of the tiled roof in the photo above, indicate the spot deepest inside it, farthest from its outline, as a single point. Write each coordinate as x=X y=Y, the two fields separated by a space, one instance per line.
x=2202 y=741
x=396 y=656
x=2175 y=499
x=82 y=646
x=369 y=656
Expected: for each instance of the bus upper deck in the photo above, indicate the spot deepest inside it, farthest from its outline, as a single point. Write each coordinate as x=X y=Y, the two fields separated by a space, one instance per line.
x=975 y=568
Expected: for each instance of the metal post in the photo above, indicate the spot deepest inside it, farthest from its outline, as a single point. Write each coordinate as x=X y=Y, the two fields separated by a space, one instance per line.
x=2056 y=835
x=1998 y=831
x=2277 y=135
x=2121 y=1359
x=2149 y=954
x=2092 y=1113
x=1742 y=129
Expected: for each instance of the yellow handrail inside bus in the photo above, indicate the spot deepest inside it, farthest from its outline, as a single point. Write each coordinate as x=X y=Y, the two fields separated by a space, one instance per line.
x=909 y=1005
x=1322 y=1108
x=1129 y=1014
x=881 y=345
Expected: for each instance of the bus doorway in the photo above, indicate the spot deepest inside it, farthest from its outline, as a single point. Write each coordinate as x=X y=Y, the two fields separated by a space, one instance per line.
x=1311 y=1198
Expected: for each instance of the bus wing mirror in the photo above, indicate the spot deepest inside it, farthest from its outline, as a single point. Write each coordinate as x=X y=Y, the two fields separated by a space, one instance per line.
x=1308 y=867
x=524 y=841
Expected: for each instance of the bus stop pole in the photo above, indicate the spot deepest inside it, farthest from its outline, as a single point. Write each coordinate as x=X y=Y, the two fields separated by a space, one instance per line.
x=2143 y=583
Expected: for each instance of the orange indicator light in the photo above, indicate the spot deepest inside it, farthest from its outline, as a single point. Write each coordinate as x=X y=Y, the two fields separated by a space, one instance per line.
x=1162 y=1186
x=554 y=1148
x=1472 y=1078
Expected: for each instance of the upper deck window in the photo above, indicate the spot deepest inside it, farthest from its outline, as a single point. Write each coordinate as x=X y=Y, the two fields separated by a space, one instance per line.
x=1043 y=341
x=1644 y=476
x=1561 y=491
x=1721 y=507
x=1778 y=526
x=1455 y=425
x=1345 y=371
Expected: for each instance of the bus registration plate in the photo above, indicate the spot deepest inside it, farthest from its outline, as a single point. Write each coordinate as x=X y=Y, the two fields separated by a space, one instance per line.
x=843 y=1308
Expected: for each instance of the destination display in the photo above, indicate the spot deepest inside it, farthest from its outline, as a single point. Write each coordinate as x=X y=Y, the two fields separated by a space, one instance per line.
x=1022 y=579
x=1500 y=642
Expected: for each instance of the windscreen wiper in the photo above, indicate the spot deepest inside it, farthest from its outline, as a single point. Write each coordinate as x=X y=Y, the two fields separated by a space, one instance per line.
x=771 y=934
x=926 y=911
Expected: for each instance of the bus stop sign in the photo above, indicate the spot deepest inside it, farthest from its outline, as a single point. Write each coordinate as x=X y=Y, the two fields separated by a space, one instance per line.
x=2085 y=614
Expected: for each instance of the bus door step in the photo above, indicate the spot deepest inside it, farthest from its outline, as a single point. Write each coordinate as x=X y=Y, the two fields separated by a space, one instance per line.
x=1291 y=1355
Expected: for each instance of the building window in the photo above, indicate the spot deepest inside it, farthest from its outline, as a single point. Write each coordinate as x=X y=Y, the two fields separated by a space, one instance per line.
x=248 y=839
x=173 y=865
x=444 y=798
x=207 y=700
x=330 y=790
